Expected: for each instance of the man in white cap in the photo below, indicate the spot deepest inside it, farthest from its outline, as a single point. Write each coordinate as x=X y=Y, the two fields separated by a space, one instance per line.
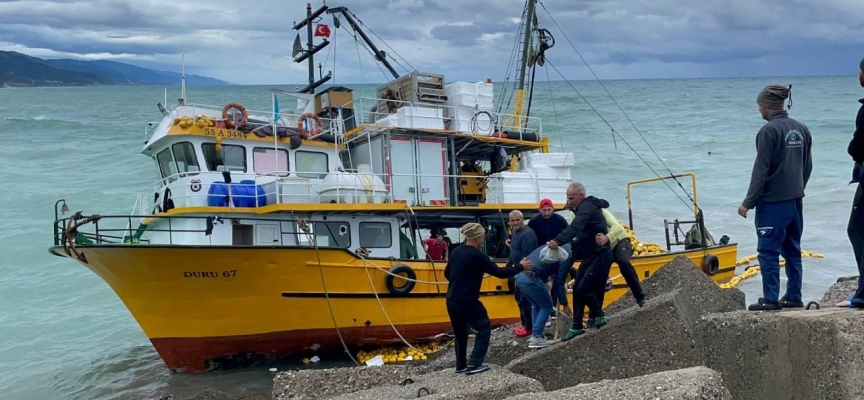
x=780 y=174
x=465 y=272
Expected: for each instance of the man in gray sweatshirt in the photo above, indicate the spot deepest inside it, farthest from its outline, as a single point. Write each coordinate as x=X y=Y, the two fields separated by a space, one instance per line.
x=780 y=174
x=522 y=242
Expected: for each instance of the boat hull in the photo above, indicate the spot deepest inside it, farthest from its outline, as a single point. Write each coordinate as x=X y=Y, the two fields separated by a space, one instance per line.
x=211 y=307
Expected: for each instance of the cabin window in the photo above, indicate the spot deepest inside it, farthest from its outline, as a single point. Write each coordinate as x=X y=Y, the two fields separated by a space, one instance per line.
x=310 y=164
x=327 y=234
x=184 y=156
x=231 y=158
x=270 y=161
x=166 y=165
x=375 y=235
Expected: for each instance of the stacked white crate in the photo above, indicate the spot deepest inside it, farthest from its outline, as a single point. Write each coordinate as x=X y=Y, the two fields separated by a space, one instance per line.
x=463 y=101
x=414 y=117
x=542 y=176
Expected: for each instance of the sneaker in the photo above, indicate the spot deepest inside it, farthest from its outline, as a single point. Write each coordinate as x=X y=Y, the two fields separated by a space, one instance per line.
x=600 y=321
x=856 y=302
x=790 y=304
x=477 y=369
x=522 y=332
x=548 y=323
x=642 y=302
x=537 y=342
x=461 y=371
x=572 y=333
x=764 y=305
x=589 y=324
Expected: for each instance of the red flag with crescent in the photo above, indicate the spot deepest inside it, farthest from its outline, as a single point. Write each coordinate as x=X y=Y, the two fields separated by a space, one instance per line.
x=322 y=30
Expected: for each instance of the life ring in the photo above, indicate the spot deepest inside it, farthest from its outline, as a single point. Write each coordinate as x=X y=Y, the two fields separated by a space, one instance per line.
x=315 y=131
x=234 y=123
x=409 y=284
x=710 y=264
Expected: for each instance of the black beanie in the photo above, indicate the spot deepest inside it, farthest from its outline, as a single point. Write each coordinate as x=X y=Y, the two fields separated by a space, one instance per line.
x=772 y=97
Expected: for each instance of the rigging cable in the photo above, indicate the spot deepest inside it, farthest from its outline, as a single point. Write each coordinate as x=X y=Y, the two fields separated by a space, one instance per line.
x=619 y=135
x=672 y=175
x=386 y=44
x=554 y=111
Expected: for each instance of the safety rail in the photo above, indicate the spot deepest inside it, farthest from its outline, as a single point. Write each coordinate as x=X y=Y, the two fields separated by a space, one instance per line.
x=469 y=120
x=284 y=187
x=98 y=233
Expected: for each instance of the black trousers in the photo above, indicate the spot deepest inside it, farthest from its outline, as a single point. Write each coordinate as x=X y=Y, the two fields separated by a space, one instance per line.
x=621 y=255
x=524 y=308
x=465 y=314
x=855 y=230
x=591 y=284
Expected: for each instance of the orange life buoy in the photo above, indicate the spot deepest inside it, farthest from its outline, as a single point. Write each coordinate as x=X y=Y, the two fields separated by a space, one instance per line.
x=233 y=123
x=314 y=131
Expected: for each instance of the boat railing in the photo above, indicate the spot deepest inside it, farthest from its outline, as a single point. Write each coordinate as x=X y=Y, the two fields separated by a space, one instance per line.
x=466 y=119
x=249 y=190
x=366 y=111
x=138 y=229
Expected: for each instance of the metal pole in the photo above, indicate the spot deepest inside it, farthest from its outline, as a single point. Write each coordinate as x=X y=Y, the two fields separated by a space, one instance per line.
x=309 y=44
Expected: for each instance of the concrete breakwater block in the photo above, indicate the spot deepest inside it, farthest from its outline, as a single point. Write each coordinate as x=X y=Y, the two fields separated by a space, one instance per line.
x=839 y=291
x=678 y=273
x=323 y=383
x=497 y=383
x=697 y=383
x=637 y=341
x=787 y=355
x=652 y=339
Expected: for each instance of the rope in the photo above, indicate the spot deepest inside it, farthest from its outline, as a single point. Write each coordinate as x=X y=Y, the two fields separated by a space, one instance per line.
x=689 y=205
x=753 y=270
x=617 y=104
x=385 y=43
x=305 y=229
x=554 y=111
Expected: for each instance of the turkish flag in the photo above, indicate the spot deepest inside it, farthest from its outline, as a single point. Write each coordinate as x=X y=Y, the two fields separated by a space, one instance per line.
x=322 y=30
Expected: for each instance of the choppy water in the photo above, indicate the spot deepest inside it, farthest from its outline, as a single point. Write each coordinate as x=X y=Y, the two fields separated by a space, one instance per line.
x=64 y=333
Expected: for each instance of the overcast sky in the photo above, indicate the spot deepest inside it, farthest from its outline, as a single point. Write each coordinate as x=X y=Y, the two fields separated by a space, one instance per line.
x=250 y=42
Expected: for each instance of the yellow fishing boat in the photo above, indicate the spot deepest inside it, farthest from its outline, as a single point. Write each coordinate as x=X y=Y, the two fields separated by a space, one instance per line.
x=275 y=232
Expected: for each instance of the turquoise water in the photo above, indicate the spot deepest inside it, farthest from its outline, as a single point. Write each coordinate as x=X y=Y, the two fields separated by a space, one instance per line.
x=65 y=334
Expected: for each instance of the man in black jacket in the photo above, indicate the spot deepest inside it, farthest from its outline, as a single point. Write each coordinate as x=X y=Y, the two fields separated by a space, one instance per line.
x=855 y=229
x=780 y=174
x=465 y=272
x=596 y=259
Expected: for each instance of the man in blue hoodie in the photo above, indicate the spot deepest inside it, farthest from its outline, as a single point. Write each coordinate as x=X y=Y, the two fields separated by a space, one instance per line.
x=780 y=174
x=855 y=229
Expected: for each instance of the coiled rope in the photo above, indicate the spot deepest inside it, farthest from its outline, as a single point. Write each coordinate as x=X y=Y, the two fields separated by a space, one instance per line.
x=753 y=270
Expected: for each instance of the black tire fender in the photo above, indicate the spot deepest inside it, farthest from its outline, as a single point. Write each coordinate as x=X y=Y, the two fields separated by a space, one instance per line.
x=710 y=264
x=408 y=284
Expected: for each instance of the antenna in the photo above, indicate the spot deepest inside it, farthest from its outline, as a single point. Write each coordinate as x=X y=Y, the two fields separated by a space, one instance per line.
x=183 y=76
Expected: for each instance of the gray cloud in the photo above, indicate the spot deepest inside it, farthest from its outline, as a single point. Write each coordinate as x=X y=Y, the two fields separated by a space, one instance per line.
x=463 y=40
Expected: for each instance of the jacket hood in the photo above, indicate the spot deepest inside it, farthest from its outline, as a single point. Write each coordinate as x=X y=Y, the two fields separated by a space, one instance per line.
x=597 y=201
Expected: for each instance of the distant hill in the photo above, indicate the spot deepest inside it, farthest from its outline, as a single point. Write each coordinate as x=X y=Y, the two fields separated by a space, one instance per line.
x=18 y=69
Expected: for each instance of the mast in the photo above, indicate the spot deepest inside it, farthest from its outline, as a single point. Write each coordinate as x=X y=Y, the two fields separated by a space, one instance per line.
x=526 y=44
x=183 y=77
x=311 y=48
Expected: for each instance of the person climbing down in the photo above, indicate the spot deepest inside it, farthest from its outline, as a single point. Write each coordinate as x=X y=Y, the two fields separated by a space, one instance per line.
x=521 y=243
x=622 y=250
x=465 y=272
x=596 y=259
x=532 y=283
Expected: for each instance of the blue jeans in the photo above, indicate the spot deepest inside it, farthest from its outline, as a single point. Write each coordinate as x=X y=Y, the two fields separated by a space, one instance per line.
x=779 y=226
x=541 y=302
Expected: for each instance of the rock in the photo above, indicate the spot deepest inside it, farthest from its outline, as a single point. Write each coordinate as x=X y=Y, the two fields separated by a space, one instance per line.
x=695 y=383
x=839 y=291
x=498 y=383
x=786 y=355
x=671 y=277
x=637 y=341
x=211 y=394
x=318 y=383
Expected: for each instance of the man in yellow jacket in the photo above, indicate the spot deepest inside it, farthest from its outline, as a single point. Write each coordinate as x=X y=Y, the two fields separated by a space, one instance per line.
x=622 y=250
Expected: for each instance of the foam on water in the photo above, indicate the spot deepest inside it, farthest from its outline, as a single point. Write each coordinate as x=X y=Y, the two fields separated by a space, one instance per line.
x=65 y=334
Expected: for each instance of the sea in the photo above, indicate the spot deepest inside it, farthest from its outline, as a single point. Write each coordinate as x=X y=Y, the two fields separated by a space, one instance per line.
x=64 y=334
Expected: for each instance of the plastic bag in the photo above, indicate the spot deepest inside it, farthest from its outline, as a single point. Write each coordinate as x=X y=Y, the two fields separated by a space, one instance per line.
x=549 y=256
